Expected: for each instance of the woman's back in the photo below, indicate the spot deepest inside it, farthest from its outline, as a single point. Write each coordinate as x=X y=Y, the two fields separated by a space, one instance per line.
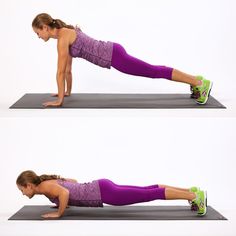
x=80 y=194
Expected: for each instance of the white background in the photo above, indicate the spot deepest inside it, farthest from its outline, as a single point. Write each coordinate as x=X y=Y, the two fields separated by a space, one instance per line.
x=175 y=147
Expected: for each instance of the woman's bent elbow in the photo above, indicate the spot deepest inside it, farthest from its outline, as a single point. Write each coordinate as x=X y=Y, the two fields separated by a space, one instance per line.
x=68 y=73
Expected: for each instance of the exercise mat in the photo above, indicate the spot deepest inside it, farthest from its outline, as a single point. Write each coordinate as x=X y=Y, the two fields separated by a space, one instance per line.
x=34 y=212
x=105 y=100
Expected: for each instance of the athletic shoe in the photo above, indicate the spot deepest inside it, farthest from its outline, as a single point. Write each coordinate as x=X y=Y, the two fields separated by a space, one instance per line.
x=194 y=189
x=203 y=91
x=200 y=200
x=194 y=92
x=192 y=203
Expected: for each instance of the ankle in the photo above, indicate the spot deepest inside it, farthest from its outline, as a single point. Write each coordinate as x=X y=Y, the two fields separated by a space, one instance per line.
x=199 y=82
x=193 y=196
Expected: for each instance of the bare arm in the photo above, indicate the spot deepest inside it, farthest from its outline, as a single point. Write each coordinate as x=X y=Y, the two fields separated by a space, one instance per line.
x=68 y=76
x=63 y=53
x=56 y=191
x=63 y=57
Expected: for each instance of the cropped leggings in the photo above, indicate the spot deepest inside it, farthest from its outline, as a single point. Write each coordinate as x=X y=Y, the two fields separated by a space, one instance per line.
x=130 y=65
x=120 y=195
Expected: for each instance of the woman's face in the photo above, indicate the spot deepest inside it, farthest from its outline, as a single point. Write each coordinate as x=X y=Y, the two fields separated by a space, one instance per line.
x=42 y=33
x=28 y=190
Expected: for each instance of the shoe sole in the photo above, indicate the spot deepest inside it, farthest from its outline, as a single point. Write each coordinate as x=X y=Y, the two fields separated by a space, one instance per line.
x=202 y=214
x=207 y=96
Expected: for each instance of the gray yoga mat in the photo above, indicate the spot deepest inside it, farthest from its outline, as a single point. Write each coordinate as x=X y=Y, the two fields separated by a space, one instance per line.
x=99 y=100
x=118 y=213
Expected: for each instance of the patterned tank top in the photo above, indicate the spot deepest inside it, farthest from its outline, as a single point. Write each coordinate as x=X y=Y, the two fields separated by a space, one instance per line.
x=84 y=195
x=96 y=51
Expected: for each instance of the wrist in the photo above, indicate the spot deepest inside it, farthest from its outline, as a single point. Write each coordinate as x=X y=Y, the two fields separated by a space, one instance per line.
x=60 y=99
x=59 y=214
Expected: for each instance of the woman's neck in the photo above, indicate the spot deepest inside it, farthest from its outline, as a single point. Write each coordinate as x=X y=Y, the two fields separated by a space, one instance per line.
x=37 y=189
x=54 y=33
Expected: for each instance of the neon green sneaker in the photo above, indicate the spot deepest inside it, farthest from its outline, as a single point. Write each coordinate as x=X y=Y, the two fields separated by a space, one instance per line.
x=194 y=91
x=194 y=189
x=201 y=198
x=193 y=203
x=202 y=92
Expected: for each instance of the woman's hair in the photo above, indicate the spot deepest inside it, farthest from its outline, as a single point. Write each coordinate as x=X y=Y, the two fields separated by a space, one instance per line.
x=29 y=176
x=46 y=19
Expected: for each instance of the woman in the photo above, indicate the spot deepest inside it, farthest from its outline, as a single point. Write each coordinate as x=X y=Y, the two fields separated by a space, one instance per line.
x=72 y=42
x=67 y=192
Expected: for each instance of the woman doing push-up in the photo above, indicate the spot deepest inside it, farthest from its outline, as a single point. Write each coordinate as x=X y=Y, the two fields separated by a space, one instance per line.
x=68 y=192
x=73 y=42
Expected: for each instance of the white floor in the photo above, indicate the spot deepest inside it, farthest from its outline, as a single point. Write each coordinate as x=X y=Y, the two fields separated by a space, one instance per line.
x=128 y=146
x=140 y=147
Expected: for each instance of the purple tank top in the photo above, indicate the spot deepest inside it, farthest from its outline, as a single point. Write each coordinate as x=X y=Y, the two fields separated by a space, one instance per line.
x=84 y=195
x=95 y=51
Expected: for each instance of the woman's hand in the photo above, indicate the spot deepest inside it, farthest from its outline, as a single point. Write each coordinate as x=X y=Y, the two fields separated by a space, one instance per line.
x=56 y=103
x=56 y=207
x=51 y=215
x=67 y=94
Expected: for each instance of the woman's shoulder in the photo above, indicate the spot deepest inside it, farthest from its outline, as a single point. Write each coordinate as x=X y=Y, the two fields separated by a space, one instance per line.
x=46 y=186
x=68 y=34
x=71 y=180
x=47 y=183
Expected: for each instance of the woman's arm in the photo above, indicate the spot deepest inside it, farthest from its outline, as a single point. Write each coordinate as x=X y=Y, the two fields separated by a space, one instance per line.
x=56 y=191
x=63 y=55
x=68 y=76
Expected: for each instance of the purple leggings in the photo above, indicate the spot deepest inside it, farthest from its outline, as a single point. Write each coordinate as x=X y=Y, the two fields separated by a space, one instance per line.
x=120 y=195
x=133 y=66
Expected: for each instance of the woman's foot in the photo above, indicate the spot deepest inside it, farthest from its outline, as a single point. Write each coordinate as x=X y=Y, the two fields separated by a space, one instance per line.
x=201 y=201
x=192 y=203
x=202 y=91
x=194 y=92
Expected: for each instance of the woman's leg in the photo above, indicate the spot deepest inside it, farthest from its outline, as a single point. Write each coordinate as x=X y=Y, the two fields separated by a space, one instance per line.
x=140 y=187
x=119 y=195
x=179 y=76
x=156 y=186
x=173 y=194
x=171 y=187
x=131 y=65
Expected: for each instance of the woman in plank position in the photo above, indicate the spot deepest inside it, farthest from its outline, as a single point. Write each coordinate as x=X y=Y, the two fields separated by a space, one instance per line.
x=68 y=192
x=72 y=42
